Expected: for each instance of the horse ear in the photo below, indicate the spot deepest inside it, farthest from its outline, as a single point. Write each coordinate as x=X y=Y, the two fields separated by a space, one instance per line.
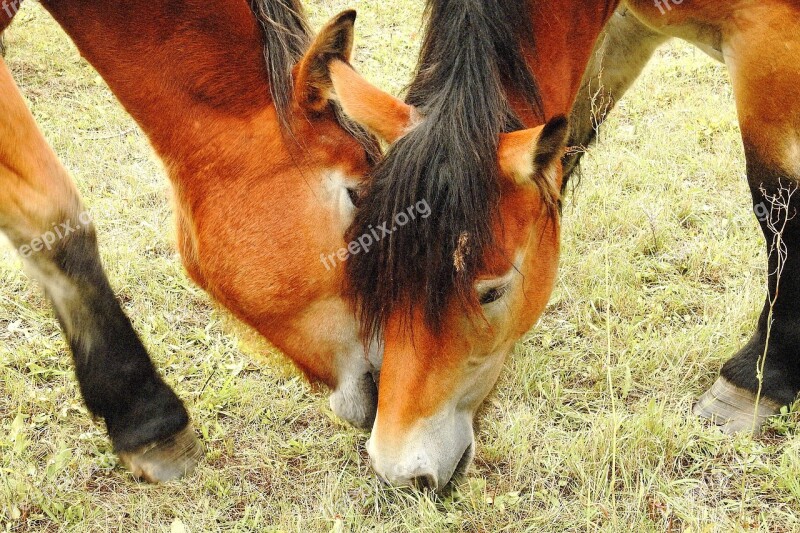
x=524 y=154
x=381 y=113
x=312 y=79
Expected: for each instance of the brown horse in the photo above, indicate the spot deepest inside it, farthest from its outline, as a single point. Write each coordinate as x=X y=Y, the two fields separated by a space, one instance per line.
x=451 y=294
x=264 y=169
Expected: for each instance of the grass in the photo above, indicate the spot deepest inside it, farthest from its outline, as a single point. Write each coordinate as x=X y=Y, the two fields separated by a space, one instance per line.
x=661 y=278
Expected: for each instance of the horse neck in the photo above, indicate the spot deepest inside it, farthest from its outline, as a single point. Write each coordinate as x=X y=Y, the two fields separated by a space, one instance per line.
x=183 y=69
x=566 y=32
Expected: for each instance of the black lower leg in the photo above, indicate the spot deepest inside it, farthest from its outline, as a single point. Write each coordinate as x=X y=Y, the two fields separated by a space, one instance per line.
x=770 y=362
x=116 y=377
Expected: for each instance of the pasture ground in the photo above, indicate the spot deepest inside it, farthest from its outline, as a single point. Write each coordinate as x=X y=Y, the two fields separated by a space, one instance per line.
x=589 y=429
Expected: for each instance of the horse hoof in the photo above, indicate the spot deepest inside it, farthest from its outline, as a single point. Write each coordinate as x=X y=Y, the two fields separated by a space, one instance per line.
x=165 y=460
x=734 y=409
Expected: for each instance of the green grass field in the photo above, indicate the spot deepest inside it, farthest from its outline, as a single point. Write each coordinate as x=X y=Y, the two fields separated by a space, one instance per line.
x=589 y=427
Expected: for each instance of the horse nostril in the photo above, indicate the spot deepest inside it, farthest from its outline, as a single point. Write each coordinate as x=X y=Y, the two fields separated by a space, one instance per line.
x=424 y=482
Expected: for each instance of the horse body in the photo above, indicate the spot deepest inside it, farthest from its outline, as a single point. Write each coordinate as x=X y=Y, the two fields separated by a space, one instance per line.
x=449 y=320
x=260 y=190
x=451 y=295
x=254 y=208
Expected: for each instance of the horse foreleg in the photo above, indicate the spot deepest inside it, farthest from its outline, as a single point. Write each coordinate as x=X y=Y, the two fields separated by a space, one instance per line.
x=761 y=53
x=621 y=52
x=41 y=213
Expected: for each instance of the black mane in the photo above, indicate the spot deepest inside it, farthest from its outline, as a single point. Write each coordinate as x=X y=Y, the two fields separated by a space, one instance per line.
x=473 y=51
x=287 y=36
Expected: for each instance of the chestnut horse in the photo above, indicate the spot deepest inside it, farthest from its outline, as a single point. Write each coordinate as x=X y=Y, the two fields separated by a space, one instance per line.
x=451 y=294
x=264 y=168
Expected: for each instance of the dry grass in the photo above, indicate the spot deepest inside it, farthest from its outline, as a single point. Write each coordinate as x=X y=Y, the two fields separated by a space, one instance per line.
x=589 y=428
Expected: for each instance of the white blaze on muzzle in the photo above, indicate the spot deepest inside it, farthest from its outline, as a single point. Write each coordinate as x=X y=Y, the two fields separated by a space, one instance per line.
x=430 y=451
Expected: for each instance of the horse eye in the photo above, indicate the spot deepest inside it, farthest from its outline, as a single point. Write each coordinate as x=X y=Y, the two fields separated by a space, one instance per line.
x=353 y=194
x=492 y=295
